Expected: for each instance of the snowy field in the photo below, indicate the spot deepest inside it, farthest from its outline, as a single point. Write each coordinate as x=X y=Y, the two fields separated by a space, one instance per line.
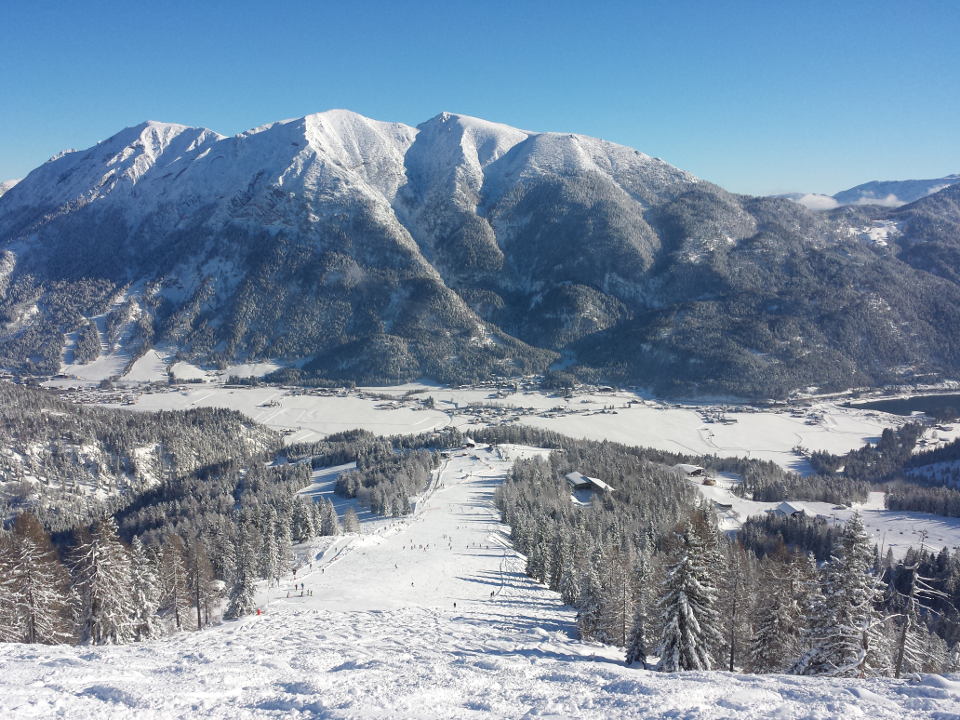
x=618 y=416
x=896 y=530
x=426 y=617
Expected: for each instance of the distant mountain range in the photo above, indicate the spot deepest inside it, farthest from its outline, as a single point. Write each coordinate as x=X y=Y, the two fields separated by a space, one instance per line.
x=887 y=193
x=355 y=250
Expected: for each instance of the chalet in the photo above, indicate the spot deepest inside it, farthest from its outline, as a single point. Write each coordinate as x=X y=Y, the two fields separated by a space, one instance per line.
x=469 y=442
x=786 y=509
x=579 y=481
x=690 y=470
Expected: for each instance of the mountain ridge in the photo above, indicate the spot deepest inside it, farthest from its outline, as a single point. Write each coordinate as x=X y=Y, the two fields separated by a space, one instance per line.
x=372 y=251
x=887 y=193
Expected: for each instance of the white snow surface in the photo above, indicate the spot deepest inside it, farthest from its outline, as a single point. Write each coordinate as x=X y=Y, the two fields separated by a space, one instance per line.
x=379 y=637
x=763 y=434
x=7 y=184
x=337 y=155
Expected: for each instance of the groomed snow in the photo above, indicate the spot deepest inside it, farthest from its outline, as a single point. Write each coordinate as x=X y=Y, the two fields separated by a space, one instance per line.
x=379 y=637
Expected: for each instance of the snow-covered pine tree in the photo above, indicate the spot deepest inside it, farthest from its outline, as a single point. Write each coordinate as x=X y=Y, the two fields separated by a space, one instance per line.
x=38 y=589
x=316 y=512
x=284 y=547
x=637 y=641
x=538 y=559
x=690 y=624
x=330 y=524
x=591 y=598
x=145 y=592
x=845 y=628
x=268 y=559
x=570 y=584
x=240 y=600
x=560 y=557
x=351 y=523
x=301 y=521
x=103 y=578
x=778 y=637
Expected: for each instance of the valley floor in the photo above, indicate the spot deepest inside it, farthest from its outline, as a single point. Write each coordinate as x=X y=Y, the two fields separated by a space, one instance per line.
x=426 y=617
x=620 y=416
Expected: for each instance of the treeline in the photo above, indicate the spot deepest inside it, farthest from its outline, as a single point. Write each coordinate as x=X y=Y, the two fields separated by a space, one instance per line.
x=937 y=500
x=817 y=488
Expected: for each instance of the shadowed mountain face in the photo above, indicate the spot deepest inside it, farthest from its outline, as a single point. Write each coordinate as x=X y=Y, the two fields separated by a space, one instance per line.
x=462 y=249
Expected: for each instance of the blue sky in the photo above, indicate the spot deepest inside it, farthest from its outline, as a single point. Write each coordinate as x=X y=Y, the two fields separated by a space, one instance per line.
x=759 y=97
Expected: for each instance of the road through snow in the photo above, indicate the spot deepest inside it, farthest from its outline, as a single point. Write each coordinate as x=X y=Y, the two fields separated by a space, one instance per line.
x=426 y=617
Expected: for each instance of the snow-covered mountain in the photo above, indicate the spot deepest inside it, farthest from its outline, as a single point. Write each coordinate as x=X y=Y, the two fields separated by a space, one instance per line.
x=886 y=193
x=7 y=184
x=893 y=193
x=461 y=248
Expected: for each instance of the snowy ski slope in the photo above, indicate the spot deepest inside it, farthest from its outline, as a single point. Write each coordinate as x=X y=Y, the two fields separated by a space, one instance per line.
x=376 y=634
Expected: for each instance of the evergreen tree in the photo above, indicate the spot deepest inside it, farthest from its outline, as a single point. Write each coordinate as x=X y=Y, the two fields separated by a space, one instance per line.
x=240 y=601
x=284 y=549
x=37 y=587
x=301 y=521
x=104 y=580
x=845 y=627
x=591 y=596
x=691 y=632
x=351 y=523
x=268 y=561
x=570 y=585
x=560 y=557
x=329 y=523
x=145 y=592
x=637 y=641
x=779 y=634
